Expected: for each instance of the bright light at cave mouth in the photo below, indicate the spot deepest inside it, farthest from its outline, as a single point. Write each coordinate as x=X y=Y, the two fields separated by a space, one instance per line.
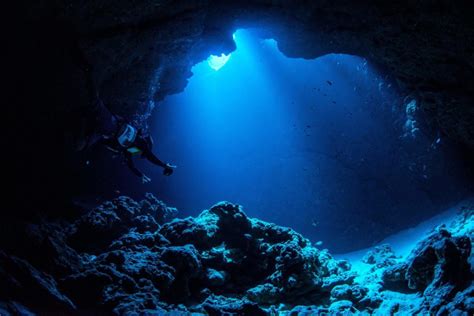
x=217 y=62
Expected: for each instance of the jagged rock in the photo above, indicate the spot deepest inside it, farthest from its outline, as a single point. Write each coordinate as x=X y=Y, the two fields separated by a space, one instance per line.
x=86 y=288
x=135 y=240
x=187 y=231
x=215 y=278
x=142 y=301
x=463 y=224
x=340 y=307
x=21 y=282
x=186 y=266
x=224 y=262
x=381 y=256
x=220 y=305
x=334 y=280
x=264 y=294
x=233 y=225
x=157 y=209
x=439 y=259
x=141 y=264
x=393 y=278
x=46 y=244
x=461 y=304
x=401 y=304
x=306 y=310
x=14 y=309
x=96 y=230
x=145 y=223
x=354 y=293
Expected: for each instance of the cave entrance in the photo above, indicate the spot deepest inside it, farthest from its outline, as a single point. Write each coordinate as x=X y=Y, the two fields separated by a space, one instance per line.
x=322 y=146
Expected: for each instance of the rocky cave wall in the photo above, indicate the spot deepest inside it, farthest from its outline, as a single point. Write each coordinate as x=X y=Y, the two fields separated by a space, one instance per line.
x=142 y=51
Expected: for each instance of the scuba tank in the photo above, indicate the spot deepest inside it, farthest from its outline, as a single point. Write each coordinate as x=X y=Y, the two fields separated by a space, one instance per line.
x=127 y=135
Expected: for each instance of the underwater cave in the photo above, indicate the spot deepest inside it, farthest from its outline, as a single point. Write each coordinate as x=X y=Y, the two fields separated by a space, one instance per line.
x=300 y=158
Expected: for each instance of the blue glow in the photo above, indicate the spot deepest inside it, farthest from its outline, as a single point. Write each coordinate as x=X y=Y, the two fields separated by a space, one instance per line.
x=217 y=62
x=309 y=144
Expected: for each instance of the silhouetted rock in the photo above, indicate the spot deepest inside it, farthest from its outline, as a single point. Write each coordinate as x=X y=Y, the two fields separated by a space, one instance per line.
x=439 y=267
x=225 y=262
x=20 y=281
x=219 y=305
x=393 y=278
x=96 y=230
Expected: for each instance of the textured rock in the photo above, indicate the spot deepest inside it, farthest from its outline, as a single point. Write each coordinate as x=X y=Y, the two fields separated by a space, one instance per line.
x=218 y=305
x=228 y=263
x=354 y=293
x=394 y=278
x=340 y=307
x=96 y=230
x=157 y=209
x=439 y=259
x=20 y=281
x=381 y=256
x=134 y=239
x=264 y=294
x=439 y=267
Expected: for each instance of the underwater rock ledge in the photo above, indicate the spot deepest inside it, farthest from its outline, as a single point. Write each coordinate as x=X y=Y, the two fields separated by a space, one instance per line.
x=135 y=258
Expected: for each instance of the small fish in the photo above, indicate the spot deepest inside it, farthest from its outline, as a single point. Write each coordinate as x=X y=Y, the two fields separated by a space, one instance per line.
x=314 y=223
x=329 y=82
x=334 y=102
x=117 y=192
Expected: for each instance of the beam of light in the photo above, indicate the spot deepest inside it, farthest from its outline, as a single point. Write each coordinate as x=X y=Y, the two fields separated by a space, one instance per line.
x=217 y=62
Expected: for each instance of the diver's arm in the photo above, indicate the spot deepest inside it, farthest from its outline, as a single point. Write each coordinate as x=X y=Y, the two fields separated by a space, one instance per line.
x=150 y=156
x=168 y=168
x=131 y=165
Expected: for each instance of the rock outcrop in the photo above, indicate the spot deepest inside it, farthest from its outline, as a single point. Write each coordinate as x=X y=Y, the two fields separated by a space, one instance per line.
x=223 y=262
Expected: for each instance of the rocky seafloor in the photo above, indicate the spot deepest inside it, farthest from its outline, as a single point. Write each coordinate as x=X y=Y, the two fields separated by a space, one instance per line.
x=135 y=258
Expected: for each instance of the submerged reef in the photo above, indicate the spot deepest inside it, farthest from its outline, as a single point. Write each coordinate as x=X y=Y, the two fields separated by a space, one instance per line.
x=134 y=258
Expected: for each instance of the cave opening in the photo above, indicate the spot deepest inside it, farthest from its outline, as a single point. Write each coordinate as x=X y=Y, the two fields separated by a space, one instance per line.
x=326 y=146
x=344 y=122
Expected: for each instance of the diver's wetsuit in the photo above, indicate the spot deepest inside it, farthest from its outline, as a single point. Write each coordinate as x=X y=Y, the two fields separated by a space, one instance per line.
x=101 y=125
x=140 y=146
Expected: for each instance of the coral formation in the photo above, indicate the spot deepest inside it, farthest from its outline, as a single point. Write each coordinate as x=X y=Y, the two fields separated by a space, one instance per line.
x=125 y=258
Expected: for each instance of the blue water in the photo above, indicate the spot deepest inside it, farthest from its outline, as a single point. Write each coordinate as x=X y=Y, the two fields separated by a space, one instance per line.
x=312 y=144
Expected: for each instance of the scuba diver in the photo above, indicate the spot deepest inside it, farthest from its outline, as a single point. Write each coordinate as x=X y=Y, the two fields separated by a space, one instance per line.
x=99 y=125
x=130 y=142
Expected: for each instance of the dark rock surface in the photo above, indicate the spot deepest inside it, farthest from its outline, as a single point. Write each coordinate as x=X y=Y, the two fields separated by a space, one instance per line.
x=143 y=51
x=426 y=46
x=227 y=263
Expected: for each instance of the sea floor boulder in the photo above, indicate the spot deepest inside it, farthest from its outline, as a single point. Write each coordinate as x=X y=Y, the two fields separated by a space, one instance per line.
x=133 y=258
